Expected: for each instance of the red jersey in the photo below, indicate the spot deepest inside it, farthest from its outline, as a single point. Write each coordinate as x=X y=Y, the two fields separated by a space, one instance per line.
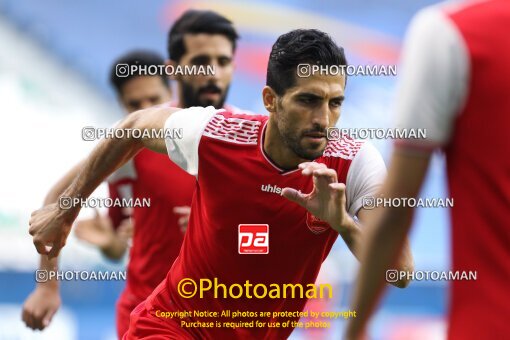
x=463 y=49
x=157 y=236
x=238 y=185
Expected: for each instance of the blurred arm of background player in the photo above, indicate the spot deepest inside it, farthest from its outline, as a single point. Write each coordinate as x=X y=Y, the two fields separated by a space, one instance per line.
x=113 y=242
x=99 y=231
x=420 y=105
x=50 y=225
x=383 y=244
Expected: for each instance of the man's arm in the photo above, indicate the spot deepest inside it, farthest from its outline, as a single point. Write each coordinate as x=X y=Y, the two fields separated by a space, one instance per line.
x=355 y=237
x=51 y=225
x=44 y=301
x=385 y=242
x=423 y=106
x=99 y=231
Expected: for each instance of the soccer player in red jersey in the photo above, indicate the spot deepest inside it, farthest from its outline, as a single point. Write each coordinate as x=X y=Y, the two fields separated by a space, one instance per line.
x=245 y=227
x=196 y=38
x=455 y=83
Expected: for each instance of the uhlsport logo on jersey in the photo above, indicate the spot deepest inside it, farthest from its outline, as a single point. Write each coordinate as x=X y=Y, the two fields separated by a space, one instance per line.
x=253 y=239
x=271 y=188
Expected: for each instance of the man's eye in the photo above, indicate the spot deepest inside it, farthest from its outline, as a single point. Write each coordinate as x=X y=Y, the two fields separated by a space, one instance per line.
x=224 y=61
x=135 y=105
x=307 y=100
x=200 y=61
x=336 y=103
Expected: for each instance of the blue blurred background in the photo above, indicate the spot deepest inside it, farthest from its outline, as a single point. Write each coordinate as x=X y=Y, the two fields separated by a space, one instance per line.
x=54 y=59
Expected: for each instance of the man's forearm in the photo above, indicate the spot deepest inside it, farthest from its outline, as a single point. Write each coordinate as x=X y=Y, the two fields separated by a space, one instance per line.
x=50 y=226
x=62 y=184
x=48 y=265
x=383 y=246
x=106 y=157
x=45 y=263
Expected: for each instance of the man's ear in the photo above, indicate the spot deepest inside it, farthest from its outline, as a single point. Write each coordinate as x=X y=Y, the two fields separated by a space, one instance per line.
x=269 y=98
x=170 y=62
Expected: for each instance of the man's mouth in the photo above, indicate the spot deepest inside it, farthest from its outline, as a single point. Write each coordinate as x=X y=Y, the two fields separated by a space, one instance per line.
x=315 y=136
x=210 y=91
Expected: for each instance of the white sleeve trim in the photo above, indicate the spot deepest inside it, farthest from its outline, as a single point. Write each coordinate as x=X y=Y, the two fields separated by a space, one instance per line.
x=434 y=76
x=364 y=178
x=192 y=121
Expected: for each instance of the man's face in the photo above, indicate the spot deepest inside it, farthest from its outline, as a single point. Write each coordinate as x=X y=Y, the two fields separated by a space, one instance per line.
x=306 y=110
x=143 y=92
x=204 y=90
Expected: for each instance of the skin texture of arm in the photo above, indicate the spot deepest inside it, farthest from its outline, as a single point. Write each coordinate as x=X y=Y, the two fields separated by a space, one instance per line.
x=51 y=225
x=387 y=231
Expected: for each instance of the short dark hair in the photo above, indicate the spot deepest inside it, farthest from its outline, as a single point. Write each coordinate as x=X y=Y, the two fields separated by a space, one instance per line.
x=135 y=57
x=194 y=22
x=301 y=46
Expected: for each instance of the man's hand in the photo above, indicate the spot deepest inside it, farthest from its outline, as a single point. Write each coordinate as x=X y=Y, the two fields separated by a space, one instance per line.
x=41 y=305
x=183 y=220
x=126 y=230
x=50 y=227
x=97 y=231
x=327 y=199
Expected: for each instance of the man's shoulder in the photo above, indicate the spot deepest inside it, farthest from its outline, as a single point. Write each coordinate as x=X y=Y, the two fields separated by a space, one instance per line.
x=237 y=128
x=343 y=148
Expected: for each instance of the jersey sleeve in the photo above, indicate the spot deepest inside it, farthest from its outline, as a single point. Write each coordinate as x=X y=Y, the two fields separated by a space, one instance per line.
x=192 y=122
x=364 y=178
x=433 y=81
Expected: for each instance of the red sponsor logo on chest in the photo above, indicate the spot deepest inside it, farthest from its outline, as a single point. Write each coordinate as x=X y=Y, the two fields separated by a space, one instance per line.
x=253 y=239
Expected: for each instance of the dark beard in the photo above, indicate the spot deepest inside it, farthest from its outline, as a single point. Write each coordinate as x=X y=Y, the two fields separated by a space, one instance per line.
x=293 y=143
x=191 y=98
x=292 y=140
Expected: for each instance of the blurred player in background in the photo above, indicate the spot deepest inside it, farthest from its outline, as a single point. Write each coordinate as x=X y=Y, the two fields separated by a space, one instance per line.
x=111 y=233
x=203 y=38
x=197 y=38
x=247 y=167
x=455 y=83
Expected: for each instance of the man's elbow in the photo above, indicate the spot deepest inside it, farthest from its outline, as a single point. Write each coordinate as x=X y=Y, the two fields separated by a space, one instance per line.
x=114 y=256
x=401 y=283
x=403 y=275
